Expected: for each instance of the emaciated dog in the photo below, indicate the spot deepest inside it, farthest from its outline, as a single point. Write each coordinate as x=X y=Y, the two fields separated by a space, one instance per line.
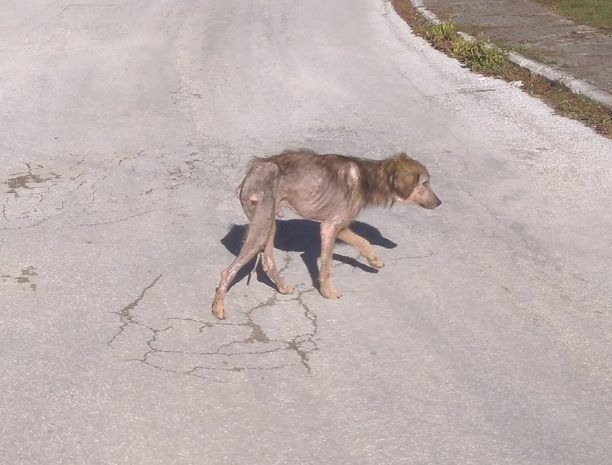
x=330 y=189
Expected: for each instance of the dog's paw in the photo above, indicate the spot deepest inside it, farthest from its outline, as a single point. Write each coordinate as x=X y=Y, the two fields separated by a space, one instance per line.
x=285 y=288
x=219 y=312
x=218 y=309
x=330 y=292
x=376 y=262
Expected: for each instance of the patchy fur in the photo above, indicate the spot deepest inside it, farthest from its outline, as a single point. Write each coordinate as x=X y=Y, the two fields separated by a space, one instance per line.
x=331 y=189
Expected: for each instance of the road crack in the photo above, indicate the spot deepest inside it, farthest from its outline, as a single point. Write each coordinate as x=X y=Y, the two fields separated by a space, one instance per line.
x=259 y=341
x=125 y=314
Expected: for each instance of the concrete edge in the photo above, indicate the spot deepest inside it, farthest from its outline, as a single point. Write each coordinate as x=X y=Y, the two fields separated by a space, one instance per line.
x=577 y=86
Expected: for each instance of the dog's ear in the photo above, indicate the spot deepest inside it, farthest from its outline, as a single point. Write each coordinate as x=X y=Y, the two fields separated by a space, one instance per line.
x=404 y=183
x=402 y=175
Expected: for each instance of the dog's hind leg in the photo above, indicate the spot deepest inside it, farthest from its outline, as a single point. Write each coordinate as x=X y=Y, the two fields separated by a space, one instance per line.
x=257 y=196
x=269 y=265
x=254 y=243
x=361 y=245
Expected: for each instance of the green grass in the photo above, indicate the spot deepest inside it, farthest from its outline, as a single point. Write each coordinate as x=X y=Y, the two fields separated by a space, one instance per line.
x=596 y=13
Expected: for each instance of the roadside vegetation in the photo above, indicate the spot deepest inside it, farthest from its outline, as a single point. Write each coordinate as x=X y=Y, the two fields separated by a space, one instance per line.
x=487 y=59
x=477 y=55
x=596 y=13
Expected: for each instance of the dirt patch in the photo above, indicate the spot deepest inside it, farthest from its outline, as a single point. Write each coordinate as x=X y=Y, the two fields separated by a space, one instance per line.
x=26 y=180
x=26 y=277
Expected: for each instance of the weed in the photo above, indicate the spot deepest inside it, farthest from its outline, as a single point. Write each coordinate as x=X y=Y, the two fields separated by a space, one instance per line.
x=476 y=54
x=442 y=32
x=480 y=56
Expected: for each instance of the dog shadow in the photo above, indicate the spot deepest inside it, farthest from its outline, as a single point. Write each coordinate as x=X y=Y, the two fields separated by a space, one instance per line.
x=302 y=236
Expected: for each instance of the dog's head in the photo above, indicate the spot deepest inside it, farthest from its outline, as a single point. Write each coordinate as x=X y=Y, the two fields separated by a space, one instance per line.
x=409 y=180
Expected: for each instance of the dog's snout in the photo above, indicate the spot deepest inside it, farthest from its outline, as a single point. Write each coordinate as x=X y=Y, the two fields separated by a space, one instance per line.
x=436 y=202
x=431 y=200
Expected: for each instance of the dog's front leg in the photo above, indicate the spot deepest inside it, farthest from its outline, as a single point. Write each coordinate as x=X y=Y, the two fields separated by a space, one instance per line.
x=362 y=245
x=328 y=239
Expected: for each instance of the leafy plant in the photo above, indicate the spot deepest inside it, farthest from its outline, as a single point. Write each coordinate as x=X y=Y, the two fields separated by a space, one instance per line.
x=442 y=32
x=479 y=55
x=476 y=54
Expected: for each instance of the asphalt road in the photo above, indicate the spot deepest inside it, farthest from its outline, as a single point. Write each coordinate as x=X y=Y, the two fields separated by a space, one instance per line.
x=124 y=129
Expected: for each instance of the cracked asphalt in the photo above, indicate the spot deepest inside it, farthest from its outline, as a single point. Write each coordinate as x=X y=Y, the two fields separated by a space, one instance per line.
x=124 y=129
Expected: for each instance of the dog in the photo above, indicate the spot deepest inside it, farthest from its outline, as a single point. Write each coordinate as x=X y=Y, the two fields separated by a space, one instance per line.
x=331 y=189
